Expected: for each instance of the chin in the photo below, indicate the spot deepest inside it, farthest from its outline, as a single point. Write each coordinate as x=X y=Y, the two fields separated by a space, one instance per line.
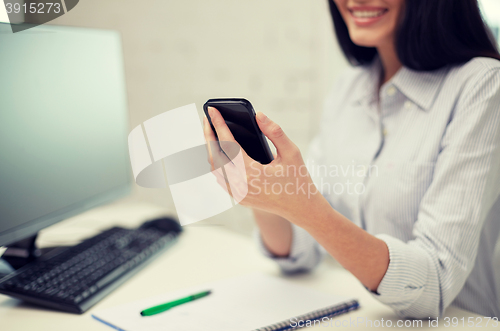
x=364 y=43
x=371 y=23
x=365 y=40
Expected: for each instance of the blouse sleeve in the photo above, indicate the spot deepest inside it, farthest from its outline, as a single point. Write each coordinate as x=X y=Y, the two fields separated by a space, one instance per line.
x=305 y=253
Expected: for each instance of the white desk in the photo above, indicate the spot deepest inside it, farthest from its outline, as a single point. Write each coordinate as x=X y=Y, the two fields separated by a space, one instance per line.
x=203 y=254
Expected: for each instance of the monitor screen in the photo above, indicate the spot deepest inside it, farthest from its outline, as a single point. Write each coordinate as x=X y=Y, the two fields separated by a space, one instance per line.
x=63 y=126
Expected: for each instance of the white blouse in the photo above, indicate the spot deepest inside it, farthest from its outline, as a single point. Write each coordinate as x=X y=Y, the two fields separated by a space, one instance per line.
x=416 y=164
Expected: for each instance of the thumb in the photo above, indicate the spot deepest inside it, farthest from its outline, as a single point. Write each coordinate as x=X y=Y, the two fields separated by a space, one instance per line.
x=284 y=146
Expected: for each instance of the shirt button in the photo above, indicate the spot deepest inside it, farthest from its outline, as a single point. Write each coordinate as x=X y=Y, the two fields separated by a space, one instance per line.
x=408 y=104
x=391 y=91
x=384 y=132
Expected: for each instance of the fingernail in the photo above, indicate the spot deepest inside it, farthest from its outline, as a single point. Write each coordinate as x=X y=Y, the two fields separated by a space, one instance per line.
x=261 y=117
x=211 y=111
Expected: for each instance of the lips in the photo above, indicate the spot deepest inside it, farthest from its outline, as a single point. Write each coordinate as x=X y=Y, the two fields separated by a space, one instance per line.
x=367 y=13
x=365 y=16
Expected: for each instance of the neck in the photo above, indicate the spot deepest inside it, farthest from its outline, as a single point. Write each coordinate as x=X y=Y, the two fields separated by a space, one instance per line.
x=390 y=61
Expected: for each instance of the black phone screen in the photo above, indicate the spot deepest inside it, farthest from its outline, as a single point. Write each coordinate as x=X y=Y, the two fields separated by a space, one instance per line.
x=240 y=118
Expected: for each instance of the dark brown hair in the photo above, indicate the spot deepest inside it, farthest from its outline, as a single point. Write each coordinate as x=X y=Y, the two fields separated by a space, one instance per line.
x=431 y=35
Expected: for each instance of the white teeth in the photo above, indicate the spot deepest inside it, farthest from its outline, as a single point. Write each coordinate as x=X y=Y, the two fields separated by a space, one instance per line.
x=367 y=14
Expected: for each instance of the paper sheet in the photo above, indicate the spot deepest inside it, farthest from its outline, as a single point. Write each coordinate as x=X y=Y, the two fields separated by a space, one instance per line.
x=238 y=304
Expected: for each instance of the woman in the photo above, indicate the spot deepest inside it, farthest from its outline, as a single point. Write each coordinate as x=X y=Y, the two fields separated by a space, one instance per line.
x=407 y=161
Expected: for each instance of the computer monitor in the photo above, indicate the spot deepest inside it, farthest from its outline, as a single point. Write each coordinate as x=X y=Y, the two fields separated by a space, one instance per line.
x=63 y=126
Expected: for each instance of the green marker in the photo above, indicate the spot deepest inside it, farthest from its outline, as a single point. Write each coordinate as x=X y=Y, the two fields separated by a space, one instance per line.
x=166 y=306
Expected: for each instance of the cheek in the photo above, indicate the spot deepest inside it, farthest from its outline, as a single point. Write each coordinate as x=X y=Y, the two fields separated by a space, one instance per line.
x=340 y=4
x=342 y=7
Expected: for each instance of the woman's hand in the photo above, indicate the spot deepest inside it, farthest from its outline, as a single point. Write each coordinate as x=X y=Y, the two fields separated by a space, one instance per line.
x=282 y=187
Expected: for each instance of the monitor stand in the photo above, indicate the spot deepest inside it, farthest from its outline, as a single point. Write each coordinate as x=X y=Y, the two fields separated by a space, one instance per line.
x=20 y=253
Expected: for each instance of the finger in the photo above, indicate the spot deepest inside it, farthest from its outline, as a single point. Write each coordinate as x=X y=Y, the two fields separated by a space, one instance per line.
x=221 y=180
x=237 y=179
x=207 y=130
x=220 y=125
x=284 y=146
x=210 y=139
x=217 y=157
x=226 y=139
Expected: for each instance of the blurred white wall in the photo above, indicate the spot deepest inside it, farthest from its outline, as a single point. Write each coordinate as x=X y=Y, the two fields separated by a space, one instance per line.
x=4 y=17
x=281 y=55
x=491 y=12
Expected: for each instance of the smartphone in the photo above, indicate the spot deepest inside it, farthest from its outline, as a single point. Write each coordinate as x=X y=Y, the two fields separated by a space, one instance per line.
x=240 y=118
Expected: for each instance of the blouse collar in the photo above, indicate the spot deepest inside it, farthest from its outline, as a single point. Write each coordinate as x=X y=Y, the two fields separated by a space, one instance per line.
x=421 y=87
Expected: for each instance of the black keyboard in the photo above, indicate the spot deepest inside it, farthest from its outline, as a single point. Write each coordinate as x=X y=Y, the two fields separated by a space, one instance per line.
x=78 y=277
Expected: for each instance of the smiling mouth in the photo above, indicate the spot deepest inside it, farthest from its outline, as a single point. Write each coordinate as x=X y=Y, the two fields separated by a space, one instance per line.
x=367 y=13
x=367 y=16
